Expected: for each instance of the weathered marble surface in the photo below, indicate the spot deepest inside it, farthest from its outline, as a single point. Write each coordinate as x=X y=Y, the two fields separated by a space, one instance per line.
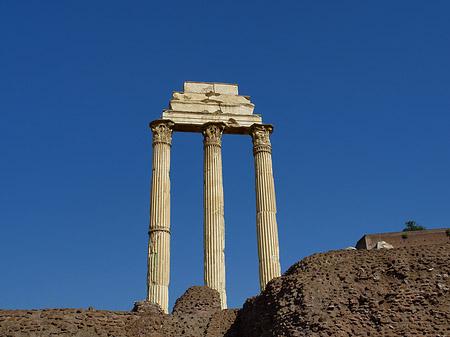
x=201 y=103
x=213 y=220
x=266 y=209
x=159 y=231
x=213 y=109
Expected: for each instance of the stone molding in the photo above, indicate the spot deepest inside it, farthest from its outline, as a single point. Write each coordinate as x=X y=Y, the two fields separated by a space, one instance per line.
x=159 y=229
x=202 y=102
x=162 y=131
x=212 y=133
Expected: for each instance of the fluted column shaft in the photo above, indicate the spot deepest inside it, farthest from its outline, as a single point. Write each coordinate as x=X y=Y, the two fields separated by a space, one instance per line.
x=213 y=221
x=266 y=222
x=159 y=233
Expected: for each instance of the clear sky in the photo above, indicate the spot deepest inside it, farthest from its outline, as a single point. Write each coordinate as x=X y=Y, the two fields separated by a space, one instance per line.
x=358 y=92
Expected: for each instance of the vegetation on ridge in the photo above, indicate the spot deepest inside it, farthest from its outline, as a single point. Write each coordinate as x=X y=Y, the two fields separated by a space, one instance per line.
x=413 y=226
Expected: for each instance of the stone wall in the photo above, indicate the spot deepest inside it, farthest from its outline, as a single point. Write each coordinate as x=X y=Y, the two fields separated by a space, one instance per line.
x=65 y=321
x=196 y=313
x=398 y=239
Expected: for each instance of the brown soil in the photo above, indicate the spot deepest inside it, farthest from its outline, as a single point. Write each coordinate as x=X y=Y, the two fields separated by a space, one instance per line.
x=397 y=292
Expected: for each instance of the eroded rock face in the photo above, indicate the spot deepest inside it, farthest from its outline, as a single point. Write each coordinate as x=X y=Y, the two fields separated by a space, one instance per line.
x=66 y=322
x=197 y=313
x=147 y=307
x=396 y=292
x=197 y=299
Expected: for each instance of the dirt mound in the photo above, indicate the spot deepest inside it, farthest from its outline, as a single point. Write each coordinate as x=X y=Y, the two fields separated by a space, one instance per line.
x=396 y=292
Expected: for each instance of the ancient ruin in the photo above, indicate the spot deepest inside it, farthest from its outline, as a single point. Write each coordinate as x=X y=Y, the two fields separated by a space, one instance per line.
x=344 y=293
x=213 y=109
x=405 y=239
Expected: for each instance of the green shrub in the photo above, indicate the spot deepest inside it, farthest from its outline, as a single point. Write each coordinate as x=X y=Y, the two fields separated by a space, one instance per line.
x=413 y=226
x=405 y=236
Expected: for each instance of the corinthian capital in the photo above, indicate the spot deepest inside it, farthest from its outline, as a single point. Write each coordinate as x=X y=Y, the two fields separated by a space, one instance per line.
x=212 y=133
x=261 y=137
x=162 y=131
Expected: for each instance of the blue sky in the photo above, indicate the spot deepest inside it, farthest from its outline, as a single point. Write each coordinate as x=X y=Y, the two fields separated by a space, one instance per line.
x=358 y=92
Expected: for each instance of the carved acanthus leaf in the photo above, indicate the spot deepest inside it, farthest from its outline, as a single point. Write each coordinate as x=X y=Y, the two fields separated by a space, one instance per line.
x=162 y=132
x=212 y=134
x=260 y=135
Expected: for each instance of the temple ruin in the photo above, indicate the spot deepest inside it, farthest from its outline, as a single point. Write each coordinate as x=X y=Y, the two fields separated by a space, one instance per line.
x=213 y=109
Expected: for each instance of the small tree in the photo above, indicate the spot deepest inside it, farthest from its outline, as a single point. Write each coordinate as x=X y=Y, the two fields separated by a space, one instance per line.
x=413 y=226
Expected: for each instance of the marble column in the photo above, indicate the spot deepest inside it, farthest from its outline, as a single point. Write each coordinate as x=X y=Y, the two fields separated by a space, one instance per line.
x=213 y=221
x=266 y=222
x=159 y=233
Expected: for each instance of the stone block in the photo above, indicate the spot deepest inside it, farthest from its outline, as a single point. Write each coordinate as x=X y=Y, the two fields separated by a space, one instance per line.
x=383 y=244
x=226 y=89
x=241 y=109
x=198 y=87
x=230 y=99
x=207 y=98
x=192 y=121
x=218 y=88
x=212 y=106
x=202 y=103
x=188 y=96
x=194 y=107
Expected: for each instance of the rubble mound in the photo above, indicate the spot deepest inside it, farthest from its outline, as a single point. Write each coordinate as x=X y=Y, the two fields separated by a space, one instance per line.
x=65 y=322
x=384 y=292
x=197 y=298
x=147 y=307
x=197 y=313
x=395 y=292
